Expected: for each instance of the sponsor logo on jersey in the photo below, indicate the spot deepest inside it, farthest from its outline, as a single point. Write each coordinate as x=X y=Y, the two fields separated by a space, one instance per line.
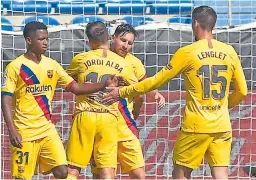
x=38 y=89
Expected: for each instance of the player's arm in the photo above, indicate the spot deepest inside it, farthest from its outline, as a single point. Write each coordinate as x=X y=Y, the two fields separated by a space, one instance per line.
x=240 y=86
x=69 y=84
x=138 y=102
x=176 y=66
x=8 y=88
x=154 y=95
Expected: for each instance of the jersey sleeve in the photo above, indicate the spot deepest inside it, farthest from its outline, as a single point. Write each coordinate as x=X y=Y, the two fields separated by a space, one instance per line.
x=73 y=67
x=64 y=79
x=177 y=65
x=238 y=79
x=9 y=80
x=140 y=71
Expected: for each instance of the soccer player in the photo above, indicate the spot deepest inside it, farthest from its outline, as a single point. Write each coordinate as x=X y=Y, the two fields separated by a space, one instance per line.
x=129 y=152
x=30 y=81
x=94 y=129
x=208 y=67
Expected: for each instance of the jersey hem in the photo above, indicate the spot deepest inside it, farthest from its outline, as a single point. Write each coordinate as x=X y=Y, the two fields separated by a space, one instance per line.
x=39 y=137
x=126 y=139
x=77 y=165
x=185 y=164
x=127 y=170
x=206 y=132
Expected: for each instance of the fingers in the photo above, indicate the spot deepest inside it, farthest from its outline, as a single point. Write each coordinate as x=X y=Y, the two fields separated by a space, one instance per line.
x=161 y=100
x=17 y=142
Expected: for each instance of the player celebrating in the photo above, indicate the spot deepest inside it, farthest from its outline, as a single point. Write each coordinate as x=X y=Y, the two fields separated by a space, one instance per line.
x=129 y=152
x=208 y=67
x=94 y=128
x=30 y=80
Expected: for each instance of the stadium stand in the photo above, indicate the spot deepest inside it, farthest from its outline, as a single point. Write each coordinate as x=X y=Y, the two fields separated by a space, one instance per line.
x=124 y=7
x=50 y=21
x=137 y=20
x=38 y=6
x=76 y=7
x=172 y=11
x=5 y=24
x=184 y=19
x=85 y=19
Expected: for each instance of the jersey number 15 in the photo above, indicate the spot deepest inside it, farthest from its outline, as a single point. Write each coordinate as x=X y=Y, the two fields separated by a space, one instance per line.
x=212 y=79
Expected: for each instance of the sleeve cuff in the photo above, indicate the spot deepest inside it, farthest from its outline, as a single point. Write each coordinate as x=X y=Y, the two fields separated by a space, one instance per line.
x=144 y=77
x=6 y=93
x=70 y=84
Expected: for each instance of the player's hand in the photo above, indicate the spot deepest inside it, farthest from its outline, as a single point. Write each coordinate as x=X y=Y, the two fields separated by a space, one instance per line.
x=15 y=138
x=161 y=100
x=112 y=96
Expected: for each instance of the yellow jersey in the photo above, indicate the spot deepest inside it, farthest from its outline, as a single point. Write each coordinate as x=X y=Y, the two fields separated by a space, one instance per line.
x=208 y=72
x=96 y=66
x=32 y=86
x=127 y=129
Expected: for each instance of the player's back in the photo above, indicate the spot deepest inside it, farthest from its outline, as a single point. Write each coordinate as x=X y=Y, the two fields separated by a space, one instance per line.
x=208 y=76
x=96 y=66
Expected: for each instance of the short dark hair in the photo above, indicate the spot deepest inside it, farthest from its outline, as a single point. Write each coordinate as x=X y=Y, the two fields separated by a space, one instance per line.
x=206 y=16
x=33 y=26
x=123 y=29
x=97 y=31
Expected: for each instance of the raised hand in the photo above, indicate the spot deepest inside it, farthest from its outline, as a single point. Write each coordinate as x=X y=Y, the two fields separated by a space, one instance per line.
x=161 y=100
x=112 y=96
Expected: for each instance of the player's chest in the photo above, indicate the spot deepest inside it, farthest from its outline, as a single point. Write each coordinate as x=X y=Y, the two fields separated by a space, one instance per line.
x=37 y=74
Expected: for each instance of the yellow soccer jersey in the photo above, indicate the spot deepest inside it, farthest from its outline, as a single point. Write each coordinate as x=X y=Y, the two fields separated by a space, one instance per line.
x=139 y=69
x=127 y=129
x=207 y=74
x=96 y=66
x=33 y=85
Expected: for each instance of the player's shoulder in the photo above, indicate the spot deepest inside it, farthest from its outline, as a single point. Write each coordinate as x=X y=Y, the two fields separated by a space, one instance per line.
x=17 y=62
x=49 y=61
x=83 y=55
x=131 y=58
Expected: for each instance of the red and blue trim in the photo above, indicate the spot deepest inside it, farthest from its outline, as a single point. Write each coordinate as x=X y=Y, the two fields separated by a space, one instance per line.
x=122 y=106
x=30 y=78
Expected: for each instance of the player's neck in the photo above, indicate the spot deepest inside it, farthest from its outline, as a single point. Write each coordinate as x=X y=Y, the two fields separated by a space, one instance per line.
x=32 y=56
x=205 y=35
x=103 y=46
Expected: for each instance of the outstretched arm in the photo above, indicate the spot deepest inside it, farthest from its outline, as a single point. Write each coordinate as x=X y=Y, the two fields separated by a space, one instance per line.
x=177 y=65
x=88 y=88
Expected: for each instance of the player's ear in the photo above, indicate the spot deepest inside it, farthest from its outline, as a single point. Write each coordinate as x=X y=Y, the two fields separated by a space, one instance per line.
x=113 y=37
x=28 y=40
x=196 y=24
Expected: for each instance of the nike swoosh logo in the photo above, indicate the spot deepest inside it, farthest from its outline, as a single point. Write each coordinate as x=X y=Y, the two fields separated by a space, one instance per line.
x=29 y=77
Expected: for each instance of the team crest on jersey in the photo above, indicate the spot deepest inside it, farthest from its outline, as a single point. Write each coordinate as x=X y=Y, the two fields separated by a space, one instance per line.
x=50 y=73
x=169 y=66
x=21 y=169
